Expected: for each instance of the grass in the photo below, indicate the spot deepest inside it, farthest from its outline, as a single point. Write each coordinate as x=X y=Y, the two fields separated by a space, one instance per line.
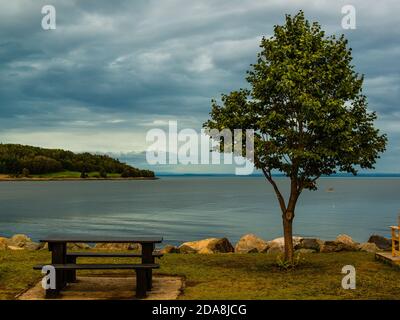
x=16 y=273
x=62 y=174
x=237 y=276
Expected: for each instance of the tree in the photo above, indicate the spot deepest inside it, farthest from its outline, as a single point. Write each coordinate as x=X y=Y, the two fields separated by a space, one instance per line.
x=25 y=173
x=126 y=173
x=307 y=110
x=103 y=173
x=130 y=172
x=84 y=175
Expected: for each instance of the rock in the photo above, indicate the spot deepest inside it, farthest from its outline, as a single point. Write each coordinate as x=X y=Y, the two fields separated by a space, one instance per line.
x=186 y=249
x=381 y=242
x=344 y=238
x=347 y=242
x=305 y=251
x=280 y=242
x=310 y=243
x=22 y=241
x=32 y=246
x=331 y=246
x=117 y=246
x=205 y=251
x=342 y=243
x=250 y=243
x=211 y=245
x=275 y=247
x=368 y=247
x=78 y=246
x=347 y=247
x=3 y=243
x=19 y=240
x=15 y=248
x=169 y=249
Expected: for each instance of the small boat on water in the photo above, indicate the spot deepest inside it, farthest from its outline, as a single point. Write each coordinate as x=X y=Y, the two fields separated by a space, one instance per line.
x=330 y=189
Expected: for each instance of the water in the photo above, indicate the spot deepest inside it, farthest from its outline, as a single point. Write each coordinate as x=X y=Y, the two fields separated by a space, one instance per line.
x=189 y=208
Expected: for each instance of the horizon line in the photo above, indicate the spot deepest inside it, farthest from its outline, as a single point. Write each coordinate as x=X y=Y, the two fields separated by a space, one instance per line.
x=378 y=174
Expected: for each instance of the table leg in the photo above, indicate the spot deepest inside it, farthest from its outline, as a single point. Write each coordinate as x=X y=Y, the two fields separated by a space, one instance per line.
x=70 y=274
x=147 y=257
x=141 y=283
x=58 y=256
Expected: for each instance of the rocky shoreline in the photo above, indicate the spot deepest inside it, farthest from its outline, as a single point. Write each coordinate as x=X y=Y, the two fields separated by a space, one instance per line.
x=248 y=243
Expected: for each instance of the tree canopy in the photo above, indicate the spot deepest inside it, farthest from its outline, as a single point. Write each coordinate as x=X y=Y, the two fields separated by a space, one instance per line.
x=306 y=106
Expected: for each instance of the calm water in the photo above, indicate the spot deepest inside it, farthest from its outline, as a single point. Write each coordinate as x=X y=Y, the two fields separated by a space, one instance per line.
x=189 y=208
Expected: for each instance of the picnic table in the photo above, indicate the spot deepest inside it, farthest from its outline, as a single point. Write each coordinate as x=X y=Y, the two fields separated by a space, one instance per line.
x=65 y=264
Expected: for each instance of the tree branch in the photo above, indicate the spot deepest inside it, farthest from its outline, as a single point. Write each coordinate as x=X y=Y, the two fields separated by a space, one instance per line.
x=294 y=195
x=267 y=174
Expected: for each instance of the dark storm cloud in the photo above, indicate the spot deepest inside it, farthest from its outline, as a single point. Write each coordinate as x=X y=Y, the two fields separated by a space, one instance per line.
x=114 y=66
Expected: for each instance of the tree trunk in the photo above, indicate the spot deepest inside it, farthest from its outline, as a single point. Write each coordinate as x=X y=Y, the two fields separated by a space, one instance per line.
x=287 y=211
x=288 y=236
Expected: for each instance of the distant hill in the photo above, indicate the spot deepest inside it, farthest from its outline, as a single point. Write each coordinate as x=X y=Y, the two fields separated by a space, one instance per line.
x=18 y=159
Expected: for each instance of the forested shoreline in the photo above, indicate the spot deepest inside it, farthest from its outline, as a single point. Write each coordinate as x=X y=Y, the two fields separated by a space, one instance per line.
x=22 y=160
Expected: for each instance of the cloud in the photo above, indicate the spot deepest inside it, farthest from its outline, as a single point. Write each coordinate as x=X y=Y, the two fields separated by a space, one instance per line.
x=114 y=69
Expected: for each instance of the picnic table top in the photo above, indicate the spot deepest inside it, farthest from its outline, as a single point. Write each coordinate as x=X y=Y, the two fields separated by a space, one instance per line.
x=100 y=239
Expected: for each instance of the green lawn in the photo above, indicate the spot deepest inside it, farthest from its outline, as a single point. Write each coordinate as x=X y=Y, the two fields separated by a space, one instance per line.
x=63 y=174
x=238 y=276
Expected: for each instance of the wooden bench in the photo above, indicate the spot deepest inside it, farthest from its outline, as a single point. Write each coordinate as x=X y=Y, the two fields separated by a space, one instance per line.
x=91 y=254
x=72 y=256
x=140 y=269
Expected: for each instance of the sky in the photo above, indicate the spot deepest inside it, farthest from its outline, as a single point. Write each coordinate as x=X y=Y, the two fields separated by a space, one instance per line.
x=113 y=70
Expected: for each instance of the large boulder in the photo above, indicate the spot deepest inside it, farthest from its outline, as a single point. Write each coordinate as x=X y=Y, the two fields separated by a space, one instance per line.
x=275 y=247
x=19 y=240
x=278 y=244
x=331 y=246
x=310 y=244
x=368 y=247
x=32 y=246
x=22 y=241
x=186 y=249
x=347 y=242
x=205 y=251
x=344 y=238
x=211 y=245
x=169 y=249
x=381 y=242
x=3 y=243
x=15 y=248
x=117 y=246
x=250 y=243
